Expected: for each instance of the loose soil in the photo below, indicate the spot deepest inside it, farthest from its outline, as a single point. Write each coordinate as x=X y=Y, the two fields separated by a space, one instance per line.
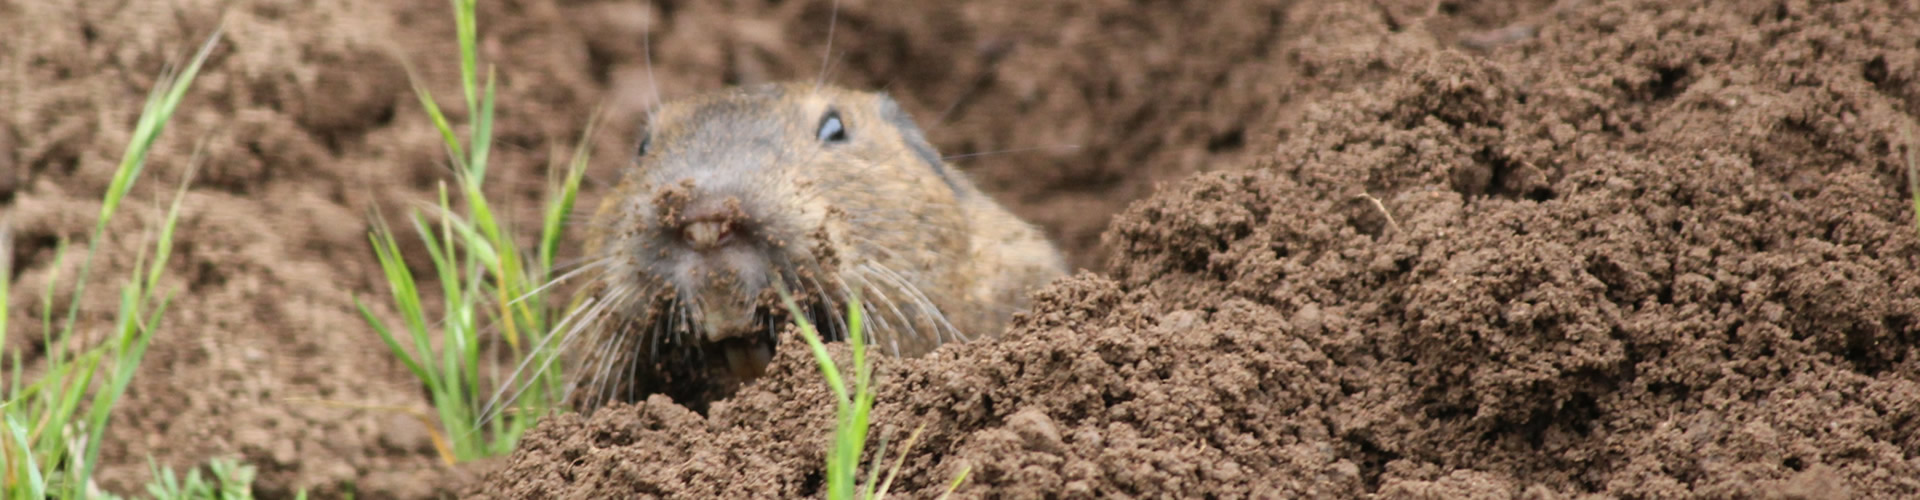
x=1402 y=249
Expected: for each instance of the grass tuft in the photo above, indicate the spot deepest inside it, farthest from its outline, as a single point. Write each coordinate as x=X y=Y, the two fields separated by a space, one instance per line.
x=51 y=427
x=230 y=480
x=853 y=409
x=852 y=406
x=488 y=282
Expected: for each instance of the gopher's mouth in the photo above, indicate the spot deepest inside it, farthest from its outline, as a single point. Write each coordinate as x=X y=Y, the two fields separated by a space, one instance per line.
x=742 y=350
x=746 y=357
x=739 y=332
x=704 y=354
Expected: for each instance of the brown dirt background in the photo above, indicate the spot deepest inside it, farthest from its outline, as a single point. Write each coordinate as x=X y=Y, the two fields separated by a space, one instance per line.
x=1662 y=248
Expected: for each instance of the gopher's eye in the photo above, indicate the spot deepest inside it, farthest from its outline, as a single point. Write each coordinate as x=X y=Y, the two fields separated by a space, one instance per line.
x=646 y=143
x=831 y=131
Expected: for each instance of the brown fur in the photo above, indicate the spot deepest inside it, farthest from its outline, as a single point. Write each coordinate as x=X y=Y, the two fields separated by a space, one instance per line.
x=879 y=215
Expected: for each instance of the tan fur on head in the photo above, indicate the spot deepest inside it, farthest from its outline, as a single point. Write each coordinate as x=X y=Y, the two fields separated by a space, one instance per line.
x=824 y=191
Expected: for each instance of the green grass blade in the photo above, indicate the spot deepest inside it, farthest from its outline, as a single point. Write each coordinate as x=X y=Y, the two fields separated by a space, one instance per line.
x=407 y=299
x=957 y=479
x=484 y=228
x=873 y=470
x=67 y=402
x=497 y=252
x=454 y=150
x=392 y=343
x=479 y=245
x=401 y=282
x=852 y=410
x=853 y=443
x=556 y=220
x=163 y=248
x=827 y=367
x=464 y=27
x=482 y=133
x=165 y=485
x=122 y=376
x=35 y=484
x=131 y=349
x=160 y=107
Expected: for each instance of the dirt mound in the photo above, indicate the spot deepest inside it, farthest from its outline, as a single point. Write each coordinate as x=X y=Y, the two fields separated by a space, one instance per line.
x=1659 y=249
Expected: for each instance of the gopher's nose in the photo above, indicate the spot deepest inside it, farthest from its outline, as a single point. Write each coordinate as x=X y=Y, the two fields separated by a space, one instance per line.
x=708 y=232
x=704 y=217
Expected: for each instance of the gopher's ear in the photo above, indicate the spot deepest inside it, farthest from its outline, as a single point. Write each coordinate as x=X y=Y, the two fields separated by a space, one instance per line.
x=915 y=140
